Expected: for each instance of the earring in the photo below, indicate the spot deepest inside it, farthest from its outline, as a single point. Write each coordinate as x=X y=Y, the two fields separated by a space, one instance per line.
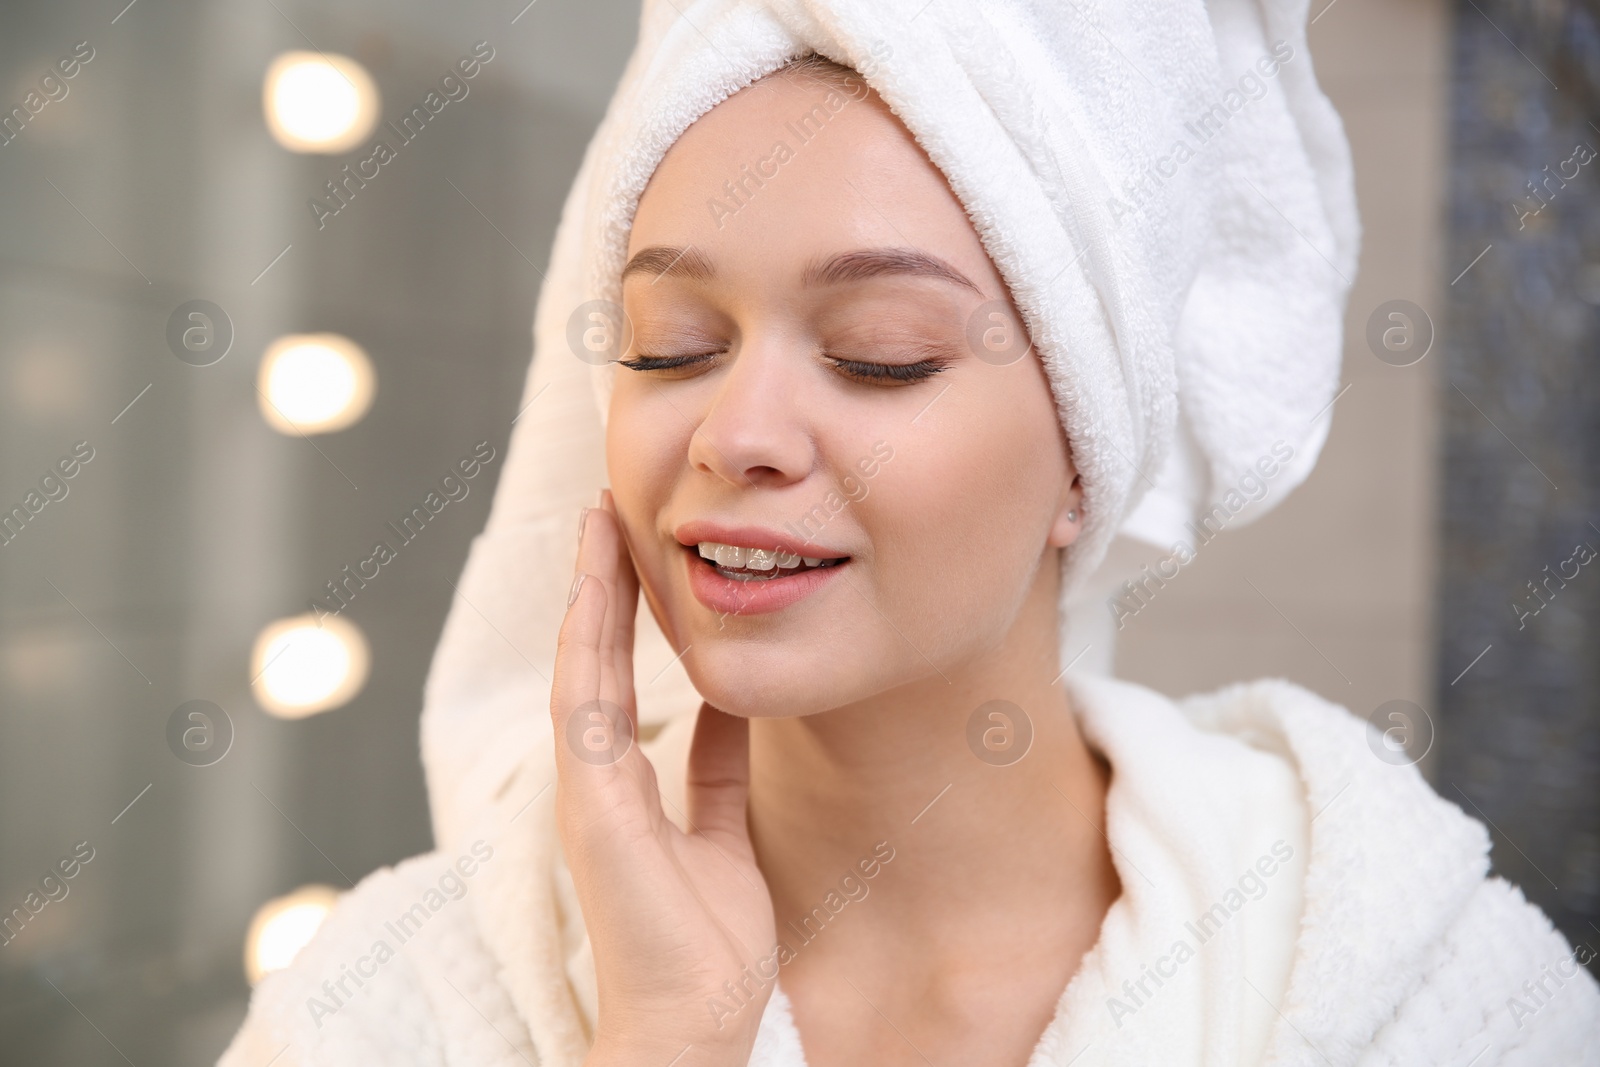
x=1072 y=516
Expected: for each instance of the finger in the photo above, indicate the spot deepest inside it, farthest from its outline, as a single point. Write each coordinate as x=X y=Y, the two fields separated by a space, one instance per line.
x=576 y=678
x=626 y=598
x=599 y=542
x=582 y=668
x=605 y=553
x=718 y=778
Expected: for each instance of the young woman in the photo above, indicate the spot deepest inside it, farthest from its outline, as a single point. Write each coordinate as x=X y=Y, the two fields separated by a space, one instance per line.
x=774 y=363
x=855 y=485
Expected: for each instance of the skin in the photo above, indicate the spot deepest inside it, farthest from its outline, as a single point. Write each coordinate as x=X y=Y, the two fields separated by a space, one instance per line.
x=841 y=721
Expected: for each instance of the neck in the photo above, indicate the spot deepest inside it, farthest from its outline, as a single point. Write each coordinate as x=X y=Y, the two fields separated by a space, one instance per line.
x=1007 y=844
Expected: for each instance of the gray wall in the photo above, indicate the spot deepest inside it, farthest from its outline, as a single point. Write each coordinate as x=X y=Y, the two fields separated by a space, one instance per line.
x=1520 y=734
x=194 y=524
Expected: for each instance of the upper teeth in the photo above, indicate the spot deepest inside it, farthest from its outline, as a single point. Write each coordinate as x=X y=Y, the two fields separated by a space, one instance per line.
x=756 y=559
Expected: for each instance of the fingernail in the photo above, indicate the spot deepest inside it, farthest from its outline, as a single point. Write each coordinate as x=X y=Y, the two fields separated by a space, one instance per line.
x=577 y=584
x=600 y=498
x=583 y=517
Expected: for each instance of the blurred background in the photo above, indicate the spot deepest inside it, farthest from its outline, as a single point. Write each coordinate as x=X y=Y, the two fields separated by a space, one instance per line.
x=238 y=349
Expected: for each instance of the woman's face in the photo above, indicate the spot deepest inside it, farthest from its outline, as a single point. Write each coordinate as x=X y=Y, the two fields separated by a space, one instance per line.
x=826 y=364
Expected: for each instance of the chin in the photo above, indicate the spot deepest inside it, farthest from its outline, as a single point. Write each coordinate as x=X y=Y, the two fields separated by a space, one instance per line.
x=756 y=679
x=755 y=682
x=784 y=679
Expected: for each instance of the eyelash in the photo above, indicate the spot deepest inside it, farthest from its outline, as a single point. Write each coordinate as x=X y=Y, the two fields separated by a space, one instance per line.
x=859 y=370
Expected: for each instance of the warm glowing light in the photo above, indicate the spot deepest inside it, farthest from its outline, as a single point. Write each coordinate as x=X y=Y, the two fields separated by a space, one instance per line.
x=282 y=927
x=319 y=103
x=301 y=666
x=314 y=383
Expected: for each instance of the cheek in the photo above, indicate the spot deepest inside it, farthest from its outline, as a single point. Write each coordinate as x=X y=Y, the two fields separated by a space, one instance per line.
x=960 y=519
x=647 y=440
x=646 y=450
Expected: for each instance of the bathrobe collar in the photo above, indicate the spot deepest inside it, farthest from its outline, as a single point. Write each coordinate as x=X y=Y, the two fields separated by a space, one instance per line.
x=1389 y=864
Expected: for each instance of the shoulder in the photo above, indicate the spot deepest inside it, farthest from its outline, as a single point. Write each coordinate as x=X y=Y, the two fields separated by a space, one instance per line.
x=1500 y=988
x=1361 y=802
x=1409 y=950
x=396 y=974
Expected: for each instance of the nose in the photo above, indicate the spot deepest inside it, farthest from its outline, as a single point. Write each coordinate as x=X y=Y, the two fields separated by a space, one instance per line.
x=753 y=434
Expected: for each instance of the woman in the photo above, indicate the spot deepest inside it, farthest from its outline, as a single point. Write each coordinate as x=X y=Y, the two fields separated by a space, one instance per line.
x=868 y=434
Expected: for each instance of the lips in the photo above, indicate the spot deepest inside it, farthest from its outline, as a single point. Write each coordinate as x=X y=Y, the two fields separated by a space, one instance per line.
x=757 y=590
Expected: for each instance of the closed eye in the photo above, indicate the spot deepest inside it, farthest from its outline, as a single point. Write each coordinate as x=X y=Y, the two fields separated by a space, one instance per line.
x=648 y=363
x=889 y=372
x=860 y=370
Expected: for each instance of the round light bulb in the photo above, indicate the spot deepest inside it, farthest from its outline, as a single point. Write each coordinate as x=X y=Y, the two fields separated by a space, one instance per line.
x=318 y=102
x=315 y=383
x=282 y=927
x=302 y=666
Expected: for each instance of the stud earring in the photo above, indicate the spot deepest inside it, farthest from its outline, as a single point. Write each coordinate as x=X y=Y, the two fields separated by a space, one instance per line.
x=1072 y=516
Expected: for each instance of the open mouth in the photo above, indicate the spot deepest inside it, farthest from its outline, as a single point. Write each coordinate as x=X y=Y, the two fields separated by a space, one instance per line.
x=740 y=564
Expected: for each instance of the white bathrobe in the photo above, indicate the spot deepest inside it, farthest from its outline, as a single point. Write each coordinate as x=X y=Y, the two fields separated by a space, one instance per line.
x=1287 y=897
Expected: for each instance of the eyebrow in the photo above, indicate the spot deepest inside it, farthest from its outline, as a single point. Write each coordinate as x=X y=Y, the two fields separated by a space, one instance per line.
x=857 y=265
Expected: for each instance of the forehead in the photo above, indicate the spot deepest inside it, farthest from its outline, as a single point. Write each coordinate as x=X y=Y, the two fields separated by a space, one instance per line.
x=790 y=171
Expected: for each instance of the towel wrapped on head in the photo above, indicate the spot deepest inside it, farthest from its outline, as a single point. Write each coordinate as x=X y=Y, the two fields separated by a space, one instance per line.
x=1161 y=184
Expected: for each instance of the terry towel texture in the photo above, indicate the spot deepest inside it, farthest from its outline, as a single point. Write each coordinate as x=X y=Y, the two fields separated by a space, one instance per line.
x=1403 y=955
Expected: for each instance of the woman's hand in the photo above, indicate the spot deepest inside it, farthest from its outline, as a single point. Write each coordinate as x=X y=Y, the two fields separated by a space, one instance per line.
x=671 y=916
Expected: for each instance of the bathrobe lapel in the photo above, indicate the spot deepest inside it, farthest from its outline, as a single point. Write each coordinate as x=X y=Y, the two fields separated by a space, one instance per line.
x=1305 y=972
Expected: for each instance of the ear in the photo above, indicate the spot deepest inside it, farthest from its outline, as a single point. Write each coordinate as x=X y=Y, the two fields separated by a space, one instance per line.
x=1069 y=516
